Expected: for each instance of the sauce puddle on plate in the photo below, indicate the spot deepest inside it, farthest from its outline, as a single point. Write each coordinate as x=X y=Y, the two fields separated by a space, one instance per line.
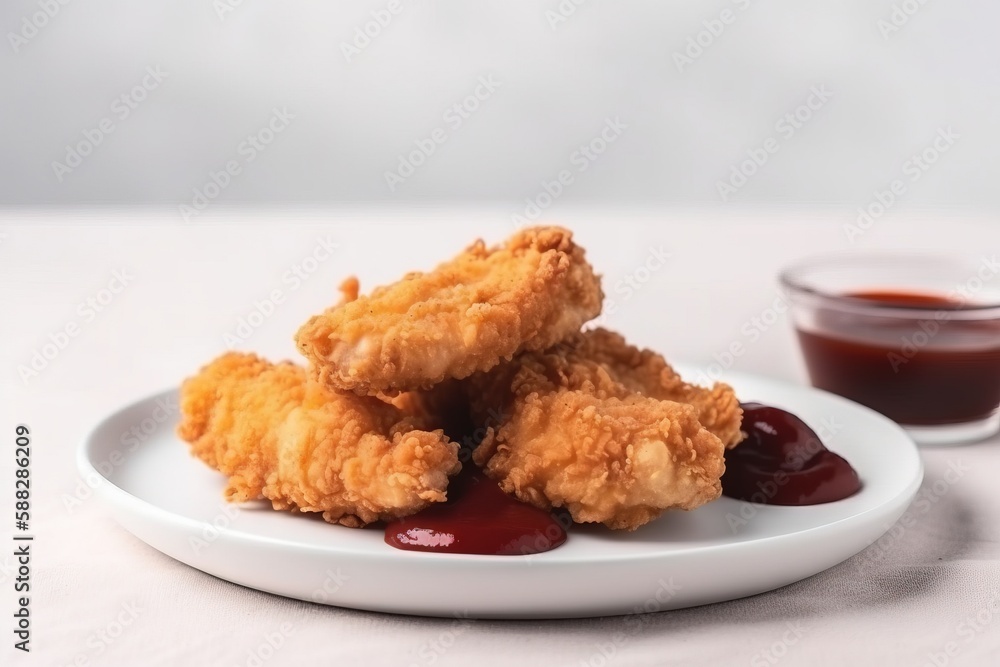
x=478 y=518
x=783 y=462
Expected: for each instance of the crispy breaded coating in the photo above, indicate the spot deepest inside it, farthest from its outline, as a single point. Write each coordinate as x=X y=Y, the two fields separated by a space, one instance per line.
x=647 y=373
x=281 y=437
x=467 y=315
x=572 y=434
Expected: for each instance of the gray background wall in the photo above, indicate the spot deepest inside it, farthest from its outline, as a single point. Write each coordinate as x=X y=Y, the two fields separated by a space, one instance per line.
x=228 y=66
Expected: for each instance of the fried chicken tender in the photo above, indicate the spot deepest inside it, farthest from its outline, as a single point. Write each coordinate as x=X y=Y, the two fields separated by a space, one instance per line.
x=647 y=373
x=467 y=315
x=586 y=426
x=280 y=436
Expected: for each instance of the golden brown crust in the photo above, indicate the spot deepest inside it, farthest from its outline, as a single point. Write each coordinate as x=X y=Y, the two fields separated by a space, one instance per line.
x=649 y=374
x=585 y=427
x=620 y=462
x=279 y=436
x=467 y=315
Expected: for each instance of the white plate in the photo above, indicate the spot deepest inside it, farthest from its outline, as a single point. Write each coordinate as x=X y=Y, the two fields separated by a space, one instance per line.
x=722 y=551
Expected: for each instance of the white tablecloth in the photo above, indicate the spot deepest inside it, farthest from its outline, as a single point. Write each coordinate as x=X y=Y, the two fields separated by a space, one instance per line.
x=928 y=594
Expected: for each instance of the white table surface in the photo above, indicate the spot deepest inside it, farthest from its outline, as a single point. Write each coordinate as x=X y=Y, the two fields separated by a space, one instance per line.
x=904 y=602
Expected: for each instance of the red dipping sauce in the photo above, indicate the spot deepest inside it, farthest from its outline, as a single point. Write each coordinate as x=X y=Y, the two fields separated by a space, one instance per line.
x=783 y=462
x=921 y=370
x=478 y=518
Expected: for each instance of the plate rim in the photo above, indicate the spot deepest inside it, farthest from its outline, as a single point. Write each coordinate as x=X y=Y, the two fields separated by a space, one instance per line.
x=113 y=492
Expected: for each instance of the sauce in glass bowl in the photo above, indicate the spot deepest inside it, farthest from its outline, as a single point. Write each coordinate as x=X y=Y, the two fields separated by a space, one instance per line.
x=928 y=369
x=915 y=337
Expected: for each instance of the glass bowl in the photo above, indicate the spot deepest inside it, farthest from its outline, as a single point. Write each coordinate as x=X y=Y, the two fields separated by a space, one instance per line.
x=914 y=337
